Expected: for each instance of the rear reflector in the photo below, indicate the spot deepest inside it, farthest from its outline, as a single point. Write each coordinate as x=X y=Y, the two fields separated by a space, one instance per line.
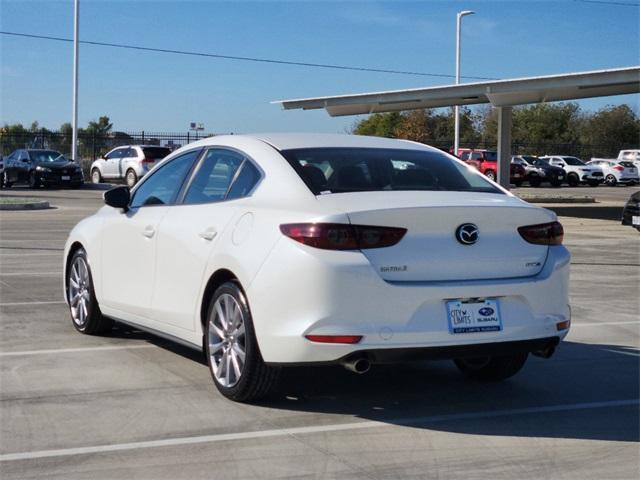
x=334 y=338
x=342 y=236
x=543 y=234
x=563 y=325
x=619 y=168
x=148 y=160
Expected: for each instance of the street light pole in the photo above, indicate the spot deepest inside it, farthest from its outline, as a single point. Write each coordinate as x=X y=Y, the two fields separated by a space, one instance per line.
x=456 y=141
x=74 y=124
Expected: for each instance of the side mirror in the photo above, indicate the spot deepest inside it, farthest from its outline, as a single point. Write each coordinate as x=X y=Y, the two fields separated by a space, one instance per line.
x=118 y=197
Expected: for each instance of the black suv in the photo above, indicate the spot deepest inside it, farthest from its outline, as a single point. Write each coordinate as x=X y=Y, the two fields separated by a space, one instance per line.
x=40 y=167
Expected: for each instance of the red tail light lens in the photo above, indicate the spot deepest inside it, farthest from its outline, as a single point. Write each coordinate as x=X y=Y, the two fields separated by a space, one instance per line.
x=351 y=339
x=148 y=160
x=342 y=236
x=618 y=168
x=543 y=234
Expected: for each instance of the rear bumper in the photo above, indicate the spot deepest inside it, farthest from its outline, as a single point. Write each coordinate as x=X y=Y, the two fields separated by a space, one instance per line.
x=301 y=291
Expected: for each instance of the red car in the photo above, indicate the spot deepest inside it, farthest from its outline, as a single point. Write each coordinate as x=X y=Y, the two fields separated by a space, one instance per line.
x=487 y=162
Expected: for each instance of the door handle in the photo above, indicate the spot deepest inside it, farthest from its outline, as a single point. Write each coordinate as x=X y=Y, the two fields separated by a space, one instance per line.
x=149 y=231
x=209 y=234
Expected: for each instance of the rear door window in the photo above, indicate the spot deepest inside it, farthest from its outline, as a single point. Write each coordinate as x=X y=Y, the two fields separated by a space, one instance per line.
x=214 y=176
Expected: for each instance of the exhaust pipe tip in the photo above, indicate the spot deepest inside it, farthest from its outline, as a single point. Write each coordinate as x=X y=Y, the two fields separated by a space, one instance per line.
x=545 y=352
x=358 y=365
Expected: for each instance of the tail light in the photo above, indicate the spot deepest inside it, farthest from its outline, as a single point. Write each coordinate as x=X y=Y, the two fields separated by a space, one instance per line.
x=543 y=234
x=148 y=160
x=351 y=339
x=342 y=236
x=619 y=168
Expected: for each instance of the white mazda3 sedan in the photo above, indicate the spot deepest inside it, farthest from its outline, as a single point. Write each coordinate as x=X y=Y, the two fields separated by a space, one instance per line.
x=272 y=250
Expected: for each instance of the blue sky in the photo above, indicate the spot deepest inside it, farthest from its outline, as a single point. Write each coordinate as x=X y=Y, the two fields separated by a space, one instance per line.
x=163 y=92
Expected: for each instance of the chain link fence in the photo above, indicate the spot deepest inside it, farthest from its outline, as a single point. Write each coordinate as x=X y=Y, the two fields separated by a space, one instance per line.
x=92 y=145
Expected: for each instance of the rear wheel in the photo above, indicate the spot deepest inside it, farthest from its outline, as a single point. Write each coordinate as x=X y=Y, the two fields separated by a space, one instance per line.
x=491 y=369
x=96 y=177
x=85 y=311
x=611 y=180
x=131 y=178
x=573 y=180
x=233 y=356
x=491 y=175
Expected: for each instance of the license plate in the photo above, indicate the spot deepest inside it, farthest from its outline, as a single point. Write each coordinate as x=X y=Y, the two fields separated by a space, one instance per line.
x=635 y=220
x=466 y=317
x=65 y=177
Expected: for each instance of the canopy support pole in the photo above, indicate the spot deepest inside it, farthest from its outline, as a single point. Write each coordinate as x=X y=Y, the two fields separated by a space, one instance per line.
x=504 y=145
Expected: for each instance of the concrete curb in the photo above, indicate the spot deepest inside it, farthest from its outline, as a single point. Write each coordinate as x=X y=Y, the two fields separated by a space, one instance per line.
x=558 y=199
x=25 y=206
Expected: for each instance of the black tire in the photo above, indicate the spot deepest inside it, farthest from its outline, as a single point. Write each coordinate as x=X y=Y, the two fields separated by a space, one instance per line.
x=535 y=182
x=256 y=379
x=490 y=174
x=611 y=180
x=573 y=180
x=96 y=176
x=92 y=322
x=491 y=369
x=33 y=181
x=130 y=178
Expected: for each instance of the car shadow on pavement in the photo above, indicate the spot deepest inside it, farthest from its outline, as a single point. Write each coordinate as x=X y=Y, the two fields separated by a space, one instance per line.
x=580 y=385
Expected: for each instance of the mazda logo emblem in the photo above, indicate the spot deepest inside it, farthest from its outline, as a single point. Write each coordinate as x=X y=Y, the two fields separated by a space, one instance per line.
x=467 y=234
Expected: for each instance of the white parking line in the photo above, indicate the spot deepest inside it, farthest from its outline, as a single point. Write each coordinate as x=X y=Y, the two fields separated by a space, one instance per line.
x=74 y=350
x=33 y=274
x=224 y=437
x=14 y=304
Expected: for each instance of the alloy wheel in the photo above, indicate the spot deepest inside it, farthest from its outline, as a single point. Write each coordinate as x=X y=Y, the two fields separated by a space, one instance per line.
x=227 y=340
x=79 y=291
x=131 y=179
x=95 y=176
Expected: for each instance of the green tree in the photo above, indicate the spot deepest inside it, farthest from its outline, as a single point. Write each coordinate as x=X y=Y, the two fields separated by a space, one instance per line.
x=379 y=125
x=611 y=129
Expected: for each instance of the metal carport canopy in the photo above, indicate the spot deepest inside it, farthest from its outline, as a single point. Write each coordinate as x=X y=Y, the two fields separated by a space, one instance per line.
x=499 y=93
x=502 y=94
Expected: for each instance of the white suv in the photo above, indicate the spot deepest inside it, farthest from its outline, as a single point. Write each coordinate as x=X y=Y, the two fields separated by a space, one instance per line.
x=577 y=171
x=129 y=162
x=615 y=172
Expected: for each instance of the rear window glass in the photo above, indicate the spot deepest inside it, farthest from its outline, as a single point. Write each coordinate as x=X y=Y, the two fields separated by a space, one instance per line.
x=156 y=152
x=627 y=164
x=573 y=161
x=339 y=170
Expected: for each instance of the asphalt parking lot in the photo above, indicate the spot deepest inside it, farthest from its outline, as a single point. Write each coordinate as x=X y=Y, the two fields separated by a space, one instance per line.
x=132 y=406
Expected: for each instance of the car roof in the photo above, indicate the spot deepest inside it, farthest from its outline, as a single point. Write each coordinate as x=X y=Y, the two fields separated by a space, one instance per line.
x=141 y=146
x=288 y=141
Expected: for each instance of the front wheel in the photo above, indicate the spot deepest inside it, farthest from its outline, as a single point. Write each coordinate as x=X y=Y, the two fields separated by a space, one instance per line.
x=233 y=356
x=96 y=177
x=85 y=311
x=131 y=178
x=33 y=181
x=491 y=369
x=491 y=175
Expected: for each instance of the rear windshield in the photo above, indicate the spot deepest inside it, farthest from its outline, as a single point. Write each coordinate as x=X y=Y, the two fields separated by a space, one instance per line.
x=339 y=170
x=46 y=156
x=156 y=152
x=627 y=164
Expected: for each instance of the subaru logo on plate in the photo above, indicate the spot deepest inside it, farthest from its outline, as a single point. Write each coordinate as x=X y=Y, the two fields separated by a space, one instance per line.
x=467 y=234
x=486 y=311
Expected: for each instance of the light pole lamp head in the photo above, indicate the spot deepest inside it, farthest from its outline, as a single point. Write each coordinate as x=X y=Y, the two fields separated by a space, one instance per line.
x=464 y=13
